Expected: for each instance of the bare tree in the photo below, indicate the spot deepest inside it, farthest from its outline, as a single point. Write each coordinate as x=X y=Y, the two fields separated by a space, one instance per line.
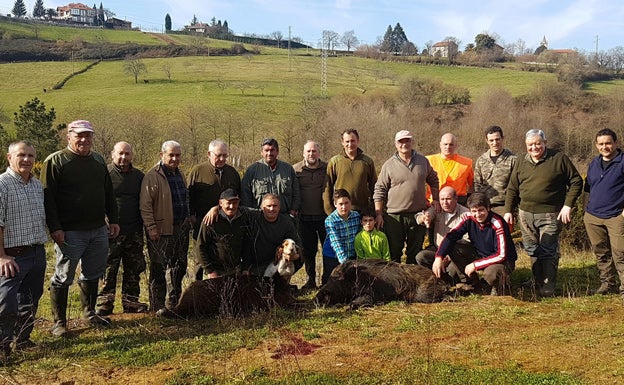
x=429 y=46
x=133 y=65
x=349 y=40
x=331 y=38
x=278 y=36
x=222 y=85
x=166 y=67
x=453 y=48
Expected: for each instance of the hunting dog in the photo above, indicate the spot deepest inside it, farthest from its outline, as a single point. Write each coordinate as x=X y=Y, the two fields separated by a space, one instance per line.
x=285 y=255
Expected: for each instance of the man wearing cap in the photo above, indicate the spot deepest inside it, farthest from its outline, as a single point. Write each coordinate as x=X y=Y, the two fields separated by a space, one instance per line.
x=400 y=194
x=81 y=213
x=221 y=245
x=453 y=169
x=164 y=208
x=270 y=175
x=206 y=182
x=22 y=255
x=127 y=248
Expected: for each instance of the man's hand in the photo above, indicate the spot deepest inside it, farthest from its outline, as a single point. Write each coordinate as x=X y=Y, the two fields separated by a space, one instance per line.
x=8 y=266
x=379 y=221
x=565 y=214
x=211 y=216
x=113 y=230
x=426 y=219
x=153 y=234
x=438 y=267
x=470 y=269
x=509 y=219
x=58 y=237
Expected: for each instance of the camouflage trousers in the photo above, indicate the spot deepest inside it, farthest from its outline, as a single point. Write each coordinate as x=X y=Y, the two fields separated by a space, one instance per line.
x=126 y=250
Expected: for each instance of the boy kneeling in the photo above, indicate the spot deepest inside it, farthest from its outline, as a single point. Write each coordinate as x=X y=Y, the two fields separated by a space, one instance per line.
x=495 y=253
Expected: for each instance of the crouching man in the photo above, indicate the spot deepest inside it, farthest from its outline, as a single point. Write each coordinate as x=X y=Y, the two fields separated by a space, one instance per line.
x=495 y=253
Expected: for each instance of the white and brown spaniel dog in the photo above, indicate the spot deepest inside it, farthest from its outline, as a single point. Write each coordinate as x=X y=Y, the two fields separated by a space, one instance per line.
x=285 y=255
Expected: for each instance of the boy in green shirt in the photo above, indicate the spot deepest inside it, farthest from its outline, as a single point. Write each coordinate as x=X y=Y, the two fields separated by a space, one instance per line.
x=371 y=243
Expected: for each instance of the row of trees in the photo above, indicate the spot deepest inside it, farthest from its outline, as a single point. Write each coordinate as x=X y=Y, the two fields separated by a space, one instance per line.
x=41 y=12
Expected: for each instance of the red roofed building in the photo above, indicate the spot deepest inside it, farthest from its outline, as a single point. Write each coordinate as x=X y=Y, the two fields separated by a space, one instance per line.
x=76 y=12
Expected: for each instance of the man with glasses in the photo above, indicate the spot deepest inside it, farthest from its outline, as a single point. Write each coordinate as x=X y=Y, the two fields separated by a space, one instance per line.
x=206 y=182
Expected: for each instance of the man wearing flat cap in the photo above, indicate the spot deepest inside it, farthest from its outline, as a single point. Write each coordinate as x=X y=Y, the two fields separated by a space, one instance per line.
x=221 y=245
x=400 y=194
x=81 y=213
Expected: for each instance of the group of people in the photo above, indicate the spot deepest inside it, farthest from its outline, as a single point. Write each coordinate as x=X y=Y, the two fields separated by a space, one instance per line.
x=101 y=215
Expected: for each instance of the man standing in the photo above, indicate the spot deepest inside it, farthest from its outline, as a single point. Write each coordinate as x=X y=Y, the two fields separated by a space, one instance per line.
x=222 y=244
x=268 y=228
x=127 y=248
x=544 y=185
x=453 y=169
x=270 y=175
x=206 y=182
x=401 y=188
x=493 y=169
x=352 y=171
x=604 y=211
x=312 y=174
x=79 y=199
x=22 y=255
x=165 y=213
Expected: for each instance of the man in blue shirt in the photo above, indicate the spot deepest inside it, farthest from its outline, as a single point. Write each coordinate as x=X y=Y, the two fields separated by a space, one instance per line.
x=604 y=206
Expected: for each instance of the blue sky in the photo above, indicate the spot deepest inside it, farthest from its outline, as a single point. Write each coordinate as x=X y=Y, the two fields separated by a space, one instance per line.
x=565 y=23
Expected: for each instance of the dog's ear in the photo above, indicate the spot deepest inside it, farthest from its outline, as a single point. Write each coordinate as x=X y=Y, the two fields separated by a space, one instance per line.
x=298 y=251
x=278 y=253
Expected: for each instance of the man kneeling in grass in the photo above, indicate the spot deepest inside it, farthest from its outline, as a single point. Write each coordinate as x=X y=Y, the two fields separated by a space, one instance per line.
x=495 y=253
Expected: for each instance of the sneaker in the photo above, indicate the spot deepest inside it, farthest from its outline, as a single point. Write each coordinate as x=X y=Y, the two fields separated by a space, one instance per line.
x=59 y=329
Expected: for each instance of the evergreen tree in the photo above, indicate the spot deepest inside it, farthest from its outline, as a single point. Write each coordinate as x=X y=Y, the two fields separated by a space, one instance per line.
x=399 y=39
x=100 y=15
x=38 y=9
x=167 y=23
x=19 y=8
x=35 y=124
x=226 y=28
x=484 y=41
x=194 y=20
x=386 y=43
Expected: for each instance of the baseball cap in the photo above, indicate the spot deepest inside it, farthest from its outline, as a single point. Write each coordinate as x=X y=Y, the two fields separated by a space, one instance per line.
x=403 y=134
x=229 y=194
x=79 y=126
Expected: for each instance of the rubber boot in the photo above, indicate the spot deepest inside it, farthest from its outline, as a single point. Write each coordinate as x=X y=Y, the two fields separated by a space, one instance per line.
x=88 y=299
x=538 y=274
x=58 y=304
x=549 y=267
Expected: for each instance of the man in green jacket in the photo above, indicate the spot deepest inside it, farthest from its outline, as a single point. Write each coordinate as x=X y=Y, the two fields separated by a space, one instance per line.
x=79 y=201
x=544 y=185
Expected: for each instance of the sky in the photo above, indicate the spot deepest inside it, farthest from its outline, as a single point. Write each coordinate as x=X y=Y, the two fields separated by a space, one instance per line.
x=573 y=24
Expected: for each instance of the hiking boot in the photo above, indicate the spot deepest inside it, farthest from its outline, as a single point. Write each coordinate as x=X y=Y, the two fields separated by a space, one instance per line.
x=96 y=320
x=104 y=310
x=88 y=298
x=606 y=288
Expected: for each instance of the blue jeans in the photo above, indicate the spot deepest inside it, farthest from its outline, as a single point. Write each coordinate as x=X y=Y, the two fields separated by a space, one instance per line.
x=89 y=247
x=19 y=295
x=540 y=234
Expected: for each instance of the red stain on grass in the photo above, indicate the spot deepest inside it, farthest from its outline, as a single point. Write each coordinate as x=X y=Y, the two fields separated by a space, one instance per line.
x=295 y=347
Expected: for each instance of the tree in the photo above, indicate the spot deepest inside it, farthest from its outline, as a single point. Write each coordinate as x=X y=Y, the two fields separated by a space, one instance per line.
x=167 y=23
x=166 y=67
x=399 y=39
x=386 y=43
x=19 y=8
x=483 y=41
x=194 y=20
x=453 y=48
x=100 y=15
x=225 y=29
x=330 y=38
x=134 y=66
x=349 y=40
x=51 y=12
x=38 y=9
x=35 y=124
x=277 y=36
